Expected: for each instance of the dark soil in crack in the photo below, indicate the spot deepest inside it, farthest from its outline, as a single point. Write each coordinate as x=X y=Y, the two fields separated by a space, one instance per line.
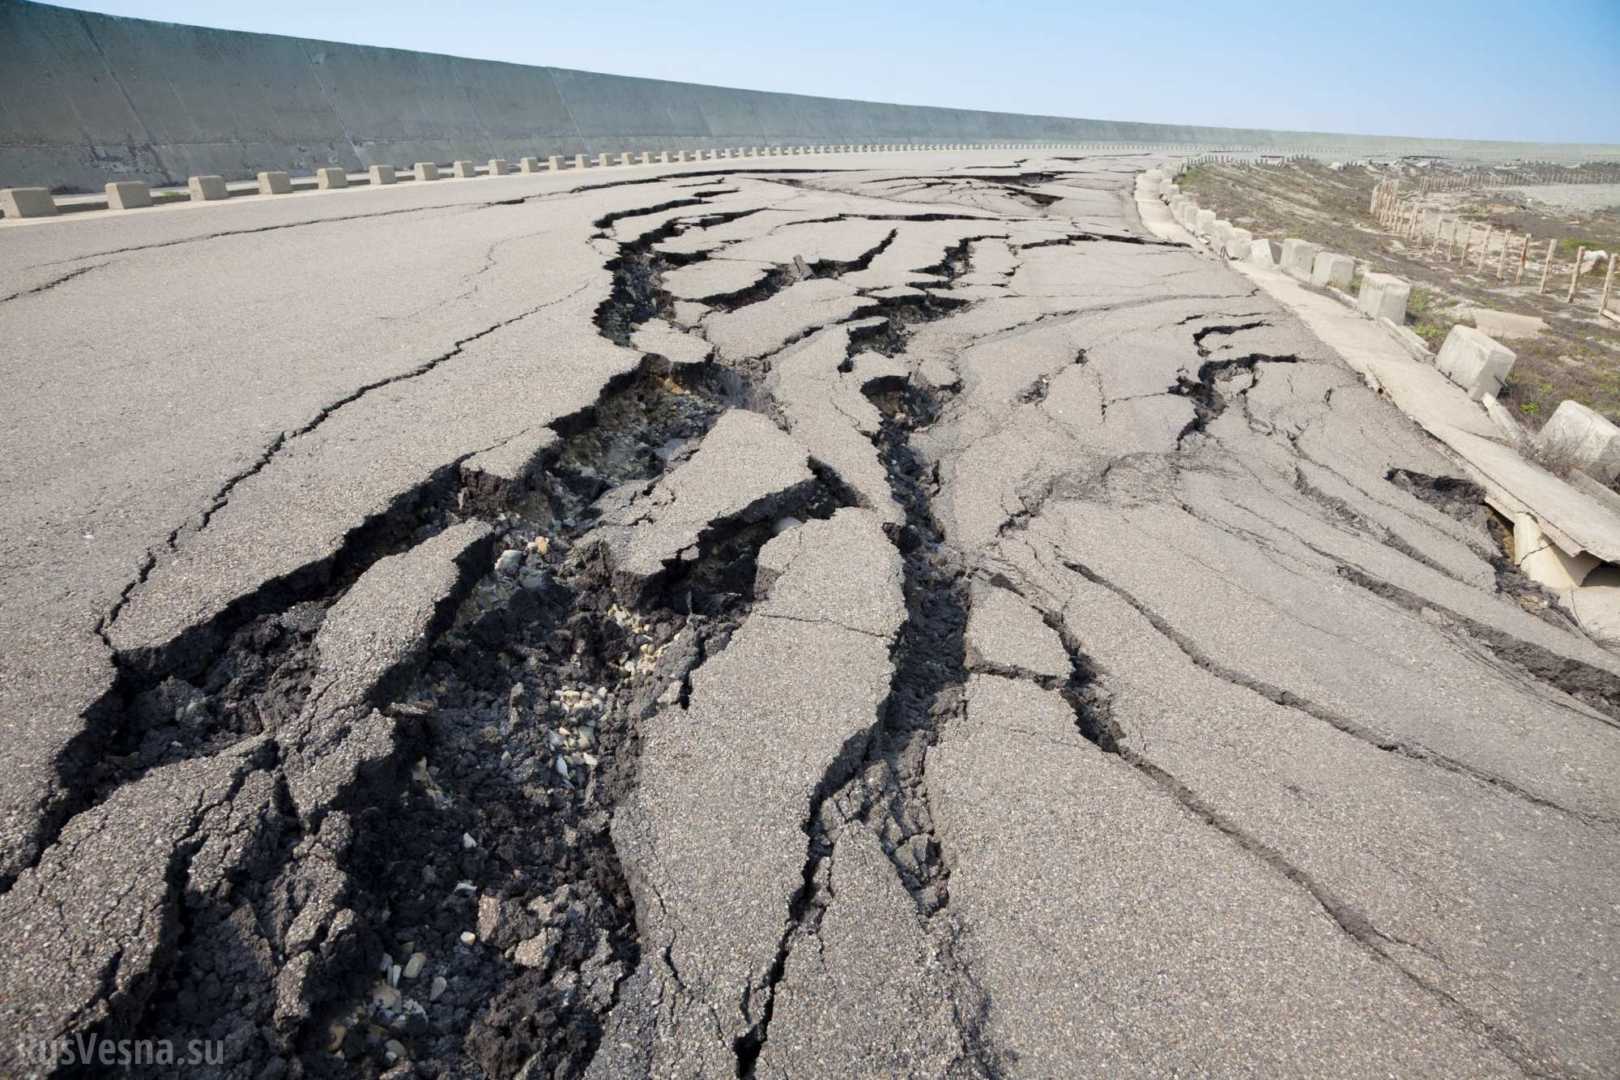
x=1464 y=501
x=1219 y=383
x=482 y=924
x=1453 y=496
x=884 y=787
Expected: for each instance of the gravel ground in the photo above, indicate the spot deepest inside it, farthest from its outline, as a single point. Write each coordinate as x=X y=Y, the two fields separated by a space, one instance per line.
x=1577 y=197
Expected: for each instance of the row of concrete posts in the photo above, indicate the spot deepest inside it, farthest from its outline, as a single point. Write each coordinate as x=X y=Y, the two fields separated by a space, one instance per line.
x=32 y=202
x=1470 y=358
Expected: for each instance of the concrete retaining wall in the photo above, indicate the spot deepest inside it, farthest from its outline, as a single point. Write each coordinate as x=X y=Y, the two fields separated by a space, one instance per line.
x=87 y=98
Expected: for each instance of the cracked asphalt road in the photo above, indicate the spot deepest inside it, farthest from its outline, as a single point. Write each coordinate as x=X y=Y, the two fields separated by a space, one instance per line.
x=894 y=620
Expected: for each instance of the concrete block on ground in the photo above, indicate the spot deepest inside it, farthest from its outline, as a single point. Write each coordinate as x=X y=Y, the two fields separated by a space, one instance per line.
x=644 y=158
x=554 y=163
x=22 y=202
x=579 y=161
x=1237 y=244
x=1505 y=324
x=380 y=175
x=1331 y=268
x=625 y=158
x=274 y=183
x=529 y=165
x=1203 y=222
x=1384 y=296
x=497 y=167
x=1298 y=256
x=1219 y=232
x=1474 y=361
x=1584 y=438
x=330 y=177
x=1262 y=252
x=464 y=169
x=207 y=188
x=603 y=161
x=128 y=195
x=426 y=170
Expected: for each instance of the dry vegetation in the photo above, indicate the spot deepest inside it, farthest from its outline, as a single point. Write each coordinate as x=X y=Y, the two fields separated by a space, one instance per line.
x=1577 y=357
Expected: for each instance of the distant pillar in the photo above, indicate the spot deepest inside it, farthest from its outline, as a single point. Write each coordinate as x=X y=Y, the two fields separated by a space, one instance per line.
x=128 y=195
x=274 y=183
x=207 y=188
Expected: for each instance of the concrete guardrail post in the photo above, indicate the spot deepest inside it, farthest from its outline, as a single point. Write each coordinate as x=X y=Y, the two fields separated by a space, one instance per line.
x=1584 y=438
x=380 y=175
x=498 y=167
x=331 y=177
x=1299 y=256
x=128 y=195
x=464 y=170
x=426 y=170
x=274 y=182
x=1384 y=296
x=529 y=165
x=1474 y=361
x=207 y=188
x=1331 y=268
x=25 y=202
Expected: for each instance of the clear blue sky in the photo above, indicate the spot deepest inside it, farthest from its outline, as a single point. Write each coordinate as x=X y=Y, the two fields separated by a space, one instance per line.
x=1488 y=69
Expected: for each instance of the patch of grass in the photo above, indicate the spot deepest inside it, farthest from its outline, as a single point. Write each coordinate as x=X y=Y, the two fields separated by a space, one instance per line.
x=1427 y=320
x=1554 y=366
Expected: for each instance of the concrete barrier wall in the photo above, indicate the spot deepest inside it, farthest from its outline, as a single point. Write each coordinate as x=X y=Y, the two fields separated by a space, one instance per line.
x=87 y=98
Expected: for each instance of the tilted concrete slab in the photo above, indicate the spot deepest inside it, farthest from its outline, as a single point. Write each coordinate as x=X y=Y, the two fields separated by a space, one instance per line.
x=1576 y=522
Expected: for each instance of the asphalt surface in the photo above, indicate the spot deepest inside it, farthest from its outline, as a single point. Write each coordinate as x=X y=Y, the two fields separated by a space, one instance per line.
x=996 y=643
